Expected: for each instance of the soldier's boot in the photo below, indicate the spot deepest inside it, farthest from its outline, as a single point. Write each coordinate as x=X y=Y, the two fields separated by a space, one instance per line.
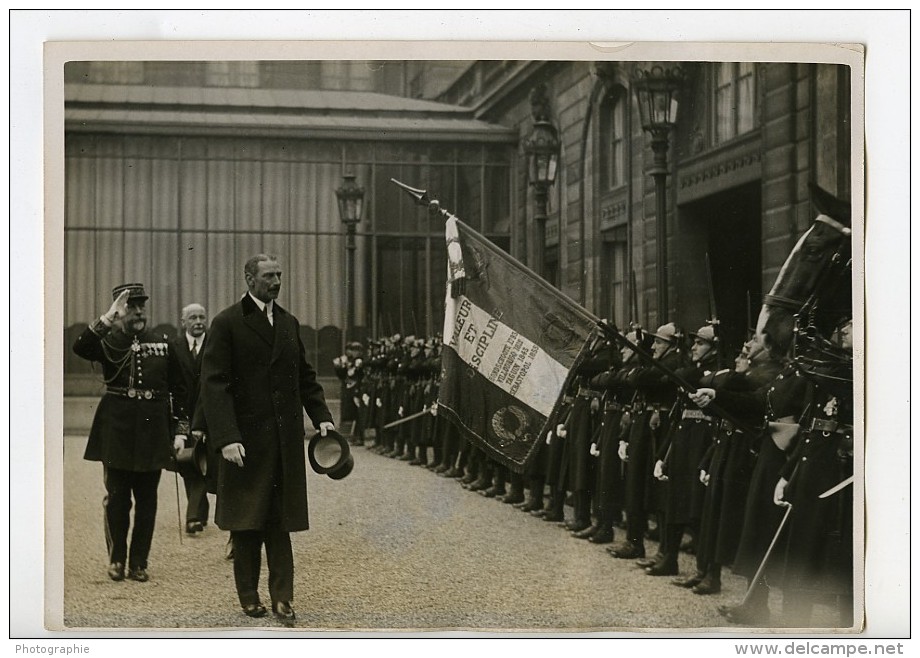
x=484 y=480
x=582 y=512
x=534 y=496
x=437 y=457
x=498 y=484
x=754 y=611
x=712 y=582
x=419 y=455
x=666 y=565
x=515 y=495
x=556 y=507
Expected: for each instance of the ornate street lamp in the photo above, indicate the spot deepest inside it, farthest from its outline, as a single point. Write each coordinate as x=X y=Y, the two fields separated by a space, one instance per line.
x=351 y=205
x=657 y=92
x=542 y=149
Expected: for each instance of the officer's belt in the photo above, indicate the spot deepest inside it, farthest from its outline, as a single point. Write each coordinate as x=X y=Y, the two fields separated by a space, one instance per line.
x=657 y=407
x=696 y=414
x=829 y=426
x=588 y=393
x=137 y=393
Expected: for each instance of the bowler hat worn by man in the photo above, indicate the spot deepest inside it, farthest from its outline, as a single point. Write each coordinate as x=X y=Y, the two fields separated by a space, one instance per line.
x=255 y=386
x=133 y=423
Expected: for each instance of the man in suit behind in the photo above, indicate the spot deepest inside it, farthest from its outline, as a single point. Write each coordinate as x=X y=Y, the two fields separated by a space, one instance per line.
x=256 y=384
x=189 y=349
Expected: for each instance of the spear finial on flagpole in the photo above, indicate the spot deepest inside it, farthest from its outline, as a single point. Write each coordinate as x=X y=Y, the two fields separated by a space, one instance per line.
x=421 y=198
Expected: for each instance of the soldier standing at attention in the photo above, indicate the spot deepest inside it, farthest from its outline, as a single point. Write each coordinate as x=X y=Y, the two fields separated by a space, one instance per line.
x=133 y=427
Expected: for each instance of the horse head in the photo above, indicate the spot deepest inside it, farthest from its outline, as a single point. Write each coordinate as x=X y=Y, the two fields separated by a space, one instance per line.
x=811 y=287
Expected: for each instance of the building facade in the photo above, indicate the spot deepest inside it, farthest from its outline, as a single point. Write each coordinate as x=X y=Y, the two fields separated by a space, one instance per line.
x=176 y=172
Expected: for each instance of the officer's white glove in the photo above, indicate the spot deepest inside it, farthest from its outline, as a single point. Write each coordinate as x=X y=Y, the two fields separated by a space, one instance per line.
x=356 y=401
x=325 y=427
x=622 y=451
x=659 y=471
x=379 y=403
x=399 y=412
x=549 y=437
x=779 y=492
x=704 y=478
x=179 y=442
x=594 y=451
x=561 y=431
x=366 y=398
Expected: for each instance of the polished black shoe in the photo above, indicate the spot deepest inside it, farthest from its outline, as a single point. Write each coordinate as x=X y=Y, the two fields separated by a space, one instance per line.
x=554 y=517
x=585 y=533
x=469 y=478
x=601 y=537
x=513 y=498
x=493 y=492
x=283 y=610
x=116 y=571
x=662 y=569
x=708 y=586
x=688 y=582
x=540 y=512
x=193 y=526
x=628 y=551
x=746 y=615
x=254 y=609
x=139 y=574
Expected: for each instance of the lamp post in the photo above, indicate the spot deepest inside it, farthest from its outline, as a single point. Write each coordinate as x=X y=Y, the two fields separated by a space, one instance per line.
x=351 y=204
x=656 y=91
x=542 y=149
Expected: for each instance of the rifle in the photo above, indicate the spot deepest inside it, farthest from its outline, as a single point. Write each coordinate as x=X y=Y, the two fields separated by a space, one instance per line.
x=683 y=385
x=634 y=296
x=713 y=315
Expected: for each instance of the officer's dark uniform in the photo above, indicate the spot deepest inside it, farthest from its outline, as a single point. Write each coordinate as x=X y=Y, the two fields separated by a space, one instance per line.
x=132 y=431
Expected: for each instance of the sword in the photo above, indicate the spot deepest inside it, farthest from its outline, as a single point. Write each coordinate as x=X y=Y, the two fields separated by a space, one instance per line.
x=837 y=487
x=766 y=557
x=418 y=414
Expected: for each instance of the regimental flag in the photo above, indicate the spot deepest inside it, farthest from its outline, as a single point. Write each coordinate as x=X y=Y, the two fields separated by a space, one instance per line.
x=511 y=341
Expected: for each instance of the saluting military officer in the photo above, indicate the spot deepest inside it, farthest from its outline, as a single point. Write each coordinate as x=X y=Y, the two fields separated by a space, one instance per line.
x=133 y=425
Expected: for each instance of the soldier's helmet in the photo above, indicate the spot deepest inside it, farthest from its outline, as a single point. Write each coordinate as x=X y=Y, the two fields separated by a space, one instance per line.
x=668 y=332
x=706 y=333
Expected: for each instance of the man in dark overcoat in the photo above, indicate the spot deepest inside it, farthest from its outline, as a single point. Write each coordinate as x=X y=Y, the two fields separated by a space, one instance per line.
x=134 y=431
x=256 y=384
x=189 y=349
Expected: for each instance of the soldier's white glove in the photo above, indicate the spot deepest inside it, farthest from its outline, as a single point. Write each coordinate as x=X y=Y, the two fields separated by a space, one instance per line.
x=379 y=403
x=366 y=398
x=702 y=396
x=622 y=451
x=399 y=412
x=179 y=442
x=704 y=478
x=594 y=451
x=549 y=437
x=561 y=431
x=356 y=401
x=659 y=471
x=779 y=492
x=434 y=410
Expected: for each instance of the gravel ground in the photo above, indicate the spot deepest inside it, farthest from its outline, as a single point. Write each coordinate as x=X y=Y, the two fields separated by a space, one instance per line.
x=392 y=548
